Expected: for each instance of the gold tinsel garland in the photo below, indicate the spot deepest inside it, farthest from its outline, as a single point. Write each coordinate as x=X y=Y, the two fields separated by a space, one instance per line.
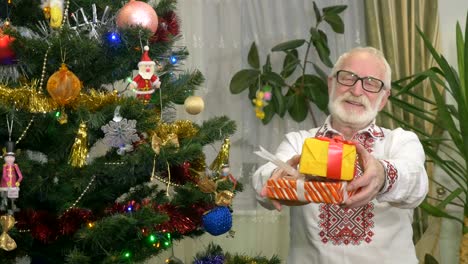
x=29 y=98
x=170 y=133
x=182 y=128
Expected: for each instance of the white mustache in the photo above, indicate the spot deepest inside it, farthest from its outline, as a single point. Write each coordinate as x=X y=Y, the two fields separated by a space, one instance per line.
x=355 y=99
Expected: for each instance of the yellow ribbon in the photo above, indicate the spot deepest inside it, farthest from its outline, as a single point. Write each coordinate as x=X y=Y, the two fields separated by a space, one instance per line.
x=6 y=242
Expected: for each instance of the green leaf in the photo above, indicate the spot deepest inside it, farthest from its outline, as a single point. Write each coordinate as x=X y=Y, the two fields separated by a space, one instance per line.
x=267 y=66
x=414 y=110
x=429 y=259
x=450 y=198
x=320 y=43
x=269 y=113
x=289 y=45
x=278 y=101
x=315 y=89
x=290 y=63
x=460 y=51
x=318 y=16
x=447 y=71
x=324 y=38
x=323 y=52
x=253 y=88
x=273 y=78
x=314 y=34
x=320 y=72
x=253 y=57
x=446 y=117
x=462 y=68
x=432 y=210
x=334 y=9
x=297 y=107
x=335 y=22
x=242 y=80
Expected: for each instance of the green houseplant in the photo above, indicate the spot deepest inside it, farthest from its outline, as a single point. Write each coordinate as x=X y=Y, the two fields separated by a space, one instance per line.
x=284 y=96
x=450 y=151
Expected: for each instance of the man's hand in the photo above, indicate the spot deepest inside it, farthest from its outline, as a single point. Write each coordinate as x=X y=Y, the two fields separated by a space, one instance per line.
x=371 y=181
x=281 y=173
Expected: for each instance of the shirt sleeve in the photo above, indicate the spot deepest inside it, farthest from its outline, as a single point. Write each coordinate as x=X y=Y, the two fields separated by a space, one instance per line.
x=290 y=146
x=406 y=183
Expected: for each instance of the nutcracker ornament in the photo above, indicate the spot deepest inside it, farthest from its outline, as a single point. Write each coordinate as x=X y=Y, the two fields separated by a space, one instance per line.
x=11 y=179
x=146 y=81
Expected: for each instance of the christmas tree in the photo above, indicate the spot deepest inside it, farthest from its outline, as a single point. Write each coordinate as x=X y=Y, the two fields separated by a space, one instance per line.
x=96 y=174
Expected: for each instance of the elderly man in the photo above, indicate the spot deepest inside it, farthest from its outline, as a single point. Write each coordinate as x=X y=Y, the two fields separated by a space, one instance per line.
x=374 y=225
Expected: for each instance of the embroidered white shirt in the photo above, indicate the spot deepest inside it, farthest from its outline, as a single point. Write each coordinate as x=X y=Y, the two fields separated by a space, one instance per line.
x=379 y=232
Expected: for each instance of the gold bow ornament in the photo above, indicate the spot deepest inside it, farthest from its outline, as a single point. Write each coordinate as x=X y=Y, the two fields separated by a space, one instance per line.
x=6 y=242
x=157 y=142
x=209 y=185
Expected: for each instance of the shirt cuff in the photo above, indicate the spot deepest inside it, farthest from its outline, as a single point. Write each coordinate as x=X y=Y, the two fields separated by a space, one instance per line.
x=391 y=176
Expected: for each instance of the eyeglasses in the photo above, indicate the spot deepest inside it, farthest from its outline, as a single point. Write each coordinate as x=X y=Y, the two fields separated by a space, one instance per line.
x=370 y=84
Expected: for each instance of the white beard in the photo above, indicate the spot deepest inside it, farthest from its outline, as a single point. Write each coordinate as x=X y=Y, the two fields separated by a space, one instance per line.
x=145 y=75
x=353 y=117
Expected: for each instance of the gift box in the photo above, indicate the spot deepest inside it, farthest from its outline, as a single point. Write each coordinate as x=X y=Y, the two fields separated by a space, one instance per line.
x=331 y=192
x=332 y=158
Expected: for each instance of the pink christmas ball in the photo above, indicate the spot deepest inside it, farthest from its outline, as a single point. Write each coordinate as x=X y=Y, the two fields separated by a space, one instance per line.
x=137 y=13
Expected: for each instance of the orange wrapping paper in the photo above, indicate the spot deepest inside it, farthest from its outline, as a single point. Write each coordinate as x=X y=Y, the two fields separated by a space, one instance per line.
x=329 y=158
x=308 y=191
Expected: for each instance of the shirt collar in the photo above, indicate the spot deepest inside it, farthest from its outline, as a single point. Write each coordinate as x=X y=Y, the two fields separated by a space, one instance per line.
x=371 y=130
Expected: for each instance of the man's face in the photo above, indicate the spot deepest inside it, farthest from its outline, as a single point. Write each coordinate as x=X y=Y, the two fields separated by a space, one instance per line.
x=353 y=105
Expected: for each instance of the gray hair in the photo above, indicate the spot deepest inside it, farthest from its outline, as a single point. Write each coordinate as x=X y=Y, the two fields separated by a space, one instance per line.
x=370 y=50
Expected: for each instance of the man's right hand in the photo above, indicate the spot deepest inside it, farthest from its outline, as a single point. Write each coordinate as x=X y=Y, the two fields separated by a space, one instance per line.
x=281 y=173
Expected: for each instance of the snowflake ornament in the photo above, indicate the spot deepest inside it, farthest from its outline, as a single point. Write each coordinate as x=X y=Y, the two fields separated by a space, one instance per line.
x=119 y=134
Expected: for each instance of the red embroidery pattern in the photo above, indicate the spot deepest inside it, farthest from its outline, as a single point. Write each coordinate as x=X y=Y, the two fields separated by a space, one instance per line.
x=349 y=226
x=392 y=175
x=346 y=226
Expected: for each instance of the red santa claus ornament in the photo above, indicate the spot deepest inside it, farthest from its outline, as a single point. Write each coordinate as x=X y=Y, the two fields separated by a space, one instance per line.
x=146 y=81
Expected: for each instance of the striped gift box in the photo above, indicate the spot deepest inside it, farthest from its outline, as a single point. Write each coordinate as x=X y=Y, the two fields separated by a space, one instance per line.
x=308 y=191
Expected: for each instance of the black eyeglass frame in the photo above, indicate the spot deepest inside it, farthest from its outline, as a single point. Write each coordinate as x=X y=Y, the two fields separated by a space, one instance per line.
x=359 y=79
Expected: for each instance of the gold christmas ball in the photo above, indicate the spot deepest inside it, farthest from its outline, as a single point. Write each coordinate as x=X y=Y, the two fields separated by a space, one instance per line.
x=63 y=86
x=194 y=105
x=137 y=13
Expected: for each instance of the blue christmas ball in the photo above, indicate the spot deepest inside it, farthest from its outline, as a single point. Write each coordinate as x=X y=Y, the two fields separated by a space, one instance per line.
x=217 y=221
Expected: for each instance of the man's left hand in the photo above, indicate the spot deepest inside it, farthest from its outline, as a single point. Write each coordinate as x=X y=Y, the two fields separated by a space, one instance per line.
x=370 y=182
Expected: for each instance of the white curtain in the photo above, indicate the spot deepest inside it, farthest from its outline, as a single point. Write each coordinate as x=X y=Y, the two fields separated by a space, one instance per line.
x=218 y=35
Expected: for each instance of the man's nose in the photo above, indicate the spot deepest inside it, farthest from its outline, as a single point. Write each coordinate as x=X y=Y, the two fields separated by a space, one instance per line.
x=357 y=89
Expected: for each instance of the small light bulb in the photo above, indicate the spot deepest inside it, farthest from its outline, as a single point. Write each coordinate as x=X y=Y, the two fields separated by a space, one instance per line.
x=173 y=59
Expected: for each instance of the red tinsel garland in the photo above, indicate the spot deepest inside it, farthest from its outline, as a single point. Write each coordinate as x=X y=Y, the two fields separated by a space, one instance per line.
x=47 y=227
x=182 y=220
x=73 y=219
